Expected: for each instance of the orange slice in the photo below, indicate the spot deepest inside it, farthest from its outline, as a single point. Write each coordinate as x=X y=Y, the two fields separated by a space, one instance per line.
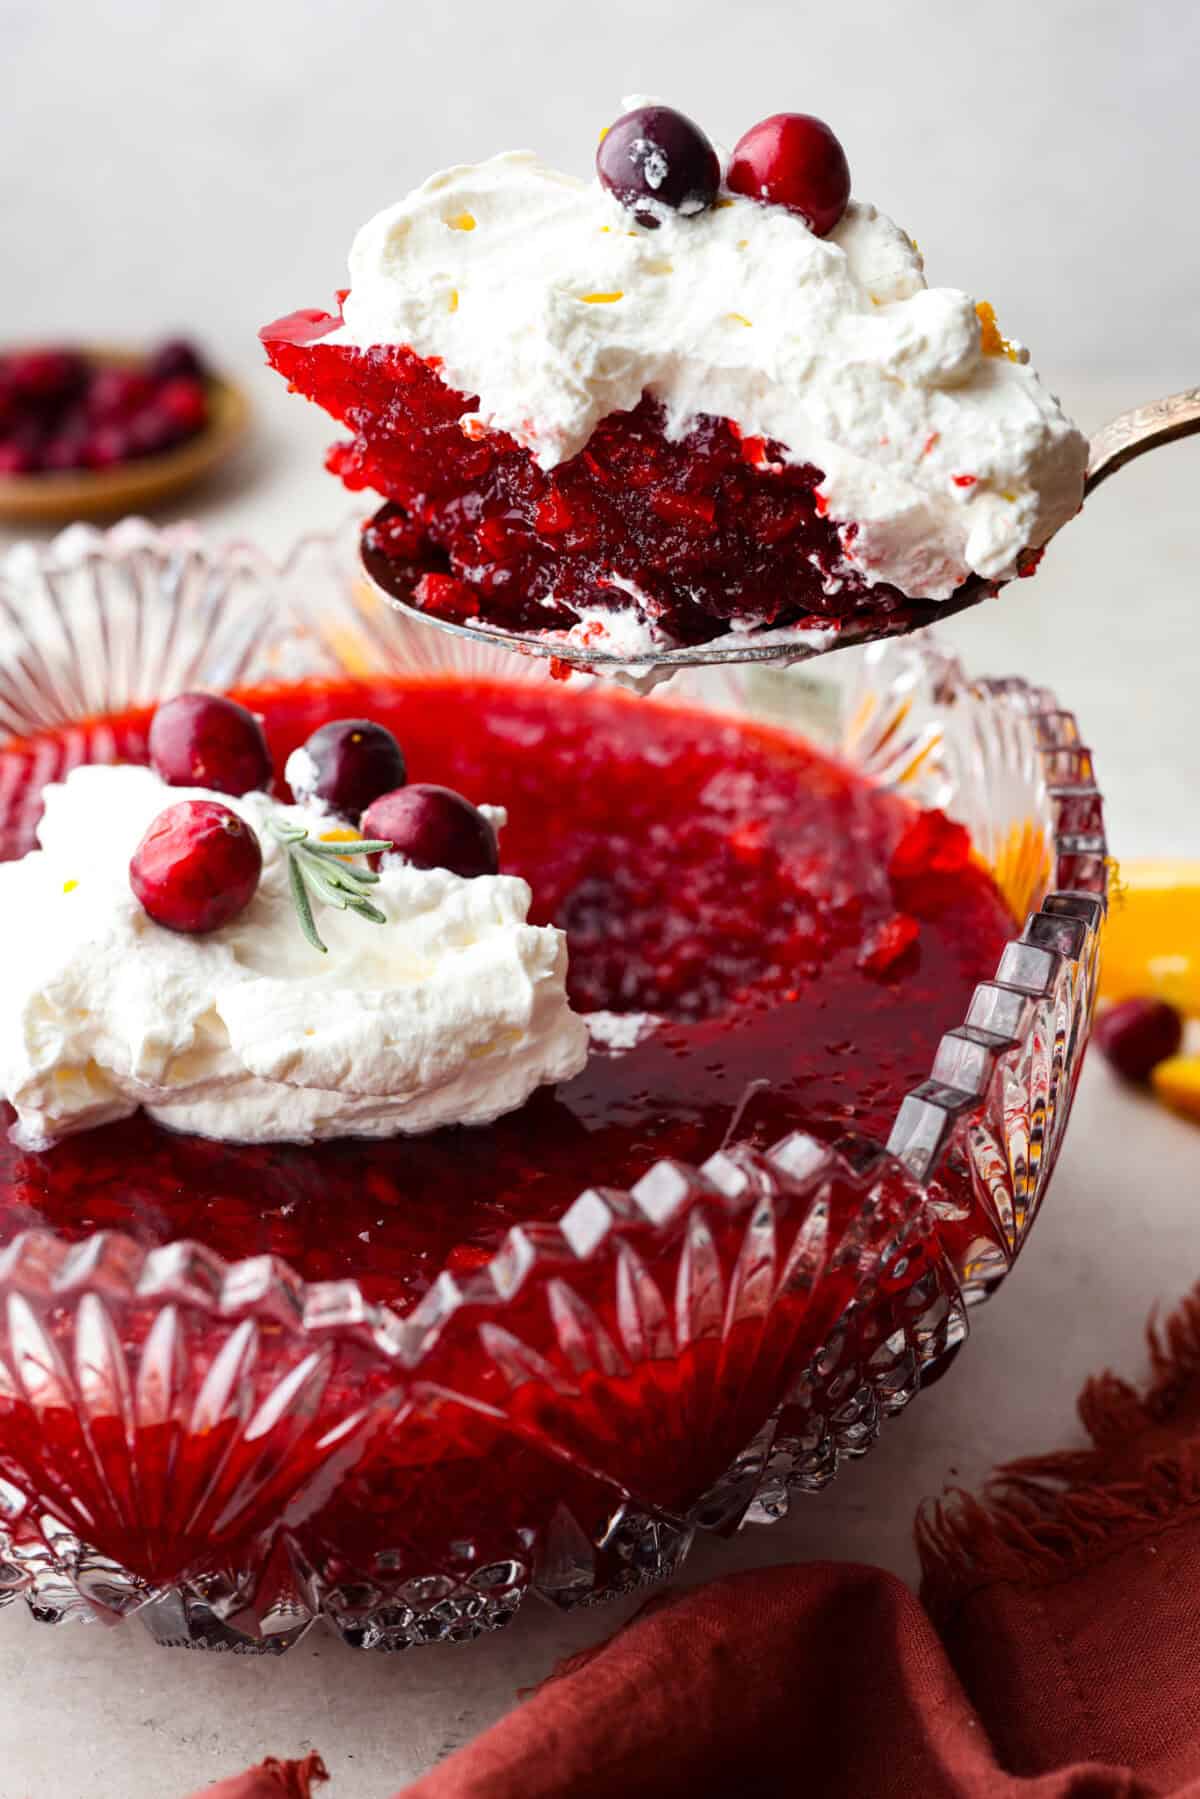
x=1177 y=1082
x=1152 y=939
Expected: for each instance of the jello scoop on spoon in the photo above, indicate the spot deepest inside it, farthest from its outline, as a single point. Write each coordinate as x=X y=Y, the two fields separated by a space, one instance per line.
x=1126 y=437
x=697 y=409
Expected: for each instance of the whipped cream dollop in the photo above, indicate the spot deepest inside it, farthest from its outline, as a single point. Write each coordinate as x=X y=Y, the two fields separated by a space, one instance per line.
x=543 y=297
x=453 y=1012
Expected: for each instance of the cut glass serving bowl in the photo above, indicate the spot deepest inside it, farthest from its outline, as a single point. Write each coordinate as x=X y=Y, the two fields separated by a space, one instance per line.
x=229 y=1453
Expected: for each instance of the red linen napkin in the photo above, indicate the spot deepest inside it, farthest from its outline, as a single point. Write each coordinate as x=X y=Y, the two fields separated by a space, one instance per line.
x=1056 y=1655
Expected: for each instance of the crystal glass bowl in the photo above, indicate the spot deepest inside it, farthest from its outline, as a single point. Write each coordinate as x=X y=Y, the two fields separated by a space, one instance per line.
x=229 y=1453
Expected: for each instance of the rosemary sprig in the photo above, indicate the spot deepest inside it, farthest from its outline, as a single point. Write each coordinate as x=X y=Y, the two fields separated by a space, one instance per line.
x=319 y=871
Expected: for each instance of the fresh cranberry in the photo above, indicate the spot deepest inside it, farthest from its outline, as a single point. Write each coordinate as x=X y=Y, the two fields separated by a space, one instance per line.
x=18 y=458
x=793 y=160
x=107 y=446
x=115 y=394
x=67 y=449
x=1137 y=1034
x=185 y=403
x=197 y=867
x=432 y=827
x=29 y=436
x=174 y=358
x=346 y=765
x=657 y=154
x=45 y=377
x=152 y=432
x=203 y=740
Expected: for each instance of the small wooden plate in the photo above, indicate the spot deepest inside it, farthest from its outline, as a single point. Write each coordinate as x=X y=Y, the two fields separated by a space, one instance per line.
x=131 y=486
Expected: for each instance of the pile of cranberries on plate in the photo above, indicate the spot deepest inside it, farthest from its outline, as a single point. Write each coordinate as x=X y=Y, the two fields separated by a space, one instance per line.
x=694 y=399
x=96 y=429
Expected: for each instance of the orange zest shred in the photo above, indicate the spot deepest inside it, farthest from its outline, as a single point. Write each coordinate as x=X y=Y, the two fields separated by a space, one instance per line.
x=991 y=341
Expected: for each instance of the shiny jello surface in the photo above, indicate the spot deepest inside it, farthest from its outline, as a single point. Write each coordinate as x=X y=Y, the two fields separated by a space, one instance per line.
x=710 y=529
x=804 y=938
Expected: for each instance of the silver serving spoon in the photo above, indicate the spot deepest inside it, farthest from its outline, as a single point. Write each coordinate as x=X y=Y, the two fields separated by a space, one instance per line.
x=1129 y=435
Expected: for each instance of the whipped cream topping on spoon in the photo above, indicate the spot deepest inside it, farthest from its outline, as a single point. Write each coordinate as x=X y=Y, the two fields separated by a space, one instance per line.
x=542 y=295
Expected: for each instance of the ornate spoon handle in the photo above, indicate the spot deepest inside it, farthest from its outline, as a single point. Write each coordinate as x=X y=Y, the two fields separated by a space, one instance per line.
x=1145 y=428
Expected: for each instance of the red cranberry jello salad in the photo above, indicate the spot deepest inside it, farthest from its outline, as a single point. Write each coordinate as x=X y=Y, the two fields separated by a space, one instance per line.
x=256 y=933
x=698 y=394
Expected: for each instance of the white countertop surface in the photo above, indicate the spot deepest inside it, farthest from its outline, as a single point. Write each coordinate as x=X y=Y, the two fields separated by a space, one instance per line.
x=1110 y=624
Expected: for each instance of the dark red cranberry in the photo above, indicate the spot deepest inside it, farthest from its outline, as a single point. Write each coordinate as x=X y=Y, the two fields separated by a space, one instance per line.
x=432 y=827
x=174 y=358
x=793 y=160
x=107 y=446
x=18 y=459
x=203 y=740
x=1137 y=1034
x=152 y=432
x=347 y=764
x=655 y=153
x=115 y=394
x=28 y=438
x=185 y=403
x=197 y=867
x=67 y=449
x=43 y=377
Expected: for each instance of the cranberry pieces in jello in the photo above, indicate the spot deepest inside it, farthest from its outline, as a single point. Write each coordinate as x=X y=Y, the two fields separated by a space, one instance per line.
x=932 y=845
x=707 y=528
x=719 y=875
